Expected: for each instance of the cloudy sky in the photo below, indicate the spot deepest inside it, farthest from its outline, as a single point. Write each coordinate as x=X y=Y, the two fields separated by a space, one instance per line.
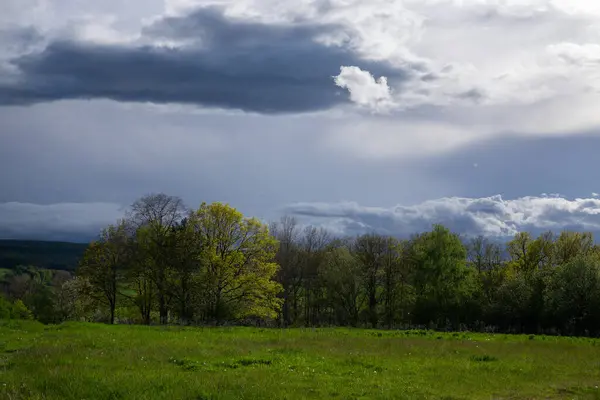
x=385 y=115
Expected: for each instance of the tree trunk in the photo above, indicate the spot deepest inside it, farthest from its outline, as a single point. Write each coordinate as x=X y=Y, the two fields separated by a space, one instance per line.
x=286 y=306
x=373 y=308
x=162 y=306
x=112 y=313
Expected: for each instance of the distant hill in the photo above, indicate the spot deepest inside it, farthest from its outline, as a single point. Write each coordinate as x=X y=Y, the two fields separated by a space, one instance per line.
x=43 y=254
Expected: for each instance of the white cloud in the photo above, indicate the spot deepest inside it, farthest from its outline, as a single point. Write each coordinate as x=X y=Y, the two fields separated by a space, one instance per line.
x=365 y=90
x=491 y=216
x=581 y=55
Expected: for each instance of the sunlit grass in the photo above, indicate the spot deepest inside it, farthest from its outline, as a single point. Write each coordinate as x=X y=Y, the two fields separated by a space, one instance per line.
x=92 y=361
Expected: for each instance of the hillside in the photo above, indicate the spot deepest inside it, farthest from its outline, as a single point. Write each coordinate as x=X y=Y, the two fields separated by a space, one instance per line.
x=51 y=255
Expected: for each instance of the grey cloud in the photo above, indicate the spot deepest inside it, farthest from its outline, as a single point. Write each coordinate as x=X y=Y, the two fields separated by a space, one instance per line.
x=19 y=40
x=224 y=63
x=491 y=216
x=78 y=222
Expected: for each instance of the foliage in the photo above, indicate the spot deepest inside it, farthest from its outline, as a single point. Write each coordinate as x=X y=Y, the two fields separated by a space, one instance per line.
x=442 y=279
x=14 y=310
x=20 y=311
x=238 y=256
x=104 y=263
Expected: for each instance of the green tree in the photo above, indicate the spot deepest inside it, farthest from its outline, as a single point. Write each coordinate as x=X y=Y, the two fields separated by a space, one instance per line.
x=341 y=273
x=185 y=248
x=139 y=277
x=371 y=250
x=104 y=264
x=74 y=300
x=573 y=295
x=571 y=245
x=528 y=254
x=513 y=302
x=238 y=256
x=442 y=281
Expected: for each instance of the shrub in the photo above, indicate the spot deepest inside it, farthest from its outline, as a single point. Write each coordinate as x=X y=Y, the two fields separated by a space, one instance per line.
x=20 y=311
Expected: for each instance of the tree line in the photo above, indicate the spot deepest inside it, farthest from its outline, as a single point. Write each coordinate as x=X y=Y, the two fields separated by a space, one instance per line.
x=165 y=264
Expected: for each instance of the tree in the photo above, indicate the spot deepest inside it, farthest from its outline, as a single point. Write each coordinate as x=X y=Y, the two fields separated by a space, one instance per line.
x=442 y=281
x=528 y=254
x=154 y=217
x=185 y=248
x=104 y=263
x=342 y=274
x=238 y=255
x=74 y=300
x=518 y=251
x=573 y=295
x=41 y=302
x=288 y=258
x=397 y=291
x=512 y=308
x=138 y=277
x=370 y=250
x=483 y=254
x=570 y=245
x=314 y=244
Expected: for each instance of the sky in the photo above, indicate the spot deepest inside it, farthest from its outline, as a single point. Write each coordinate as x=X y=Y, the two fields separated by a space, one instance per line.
x=359 y=116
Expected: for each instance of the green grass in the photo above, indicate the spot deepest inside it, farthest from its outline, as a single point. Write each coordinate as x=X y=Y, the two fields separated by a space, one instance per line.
x=89 y=361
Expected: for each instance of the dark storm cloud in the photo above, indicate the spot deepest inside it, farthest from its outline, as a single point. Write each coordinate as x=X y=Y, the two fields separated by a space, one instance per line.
x=224 y=63
x=78 y=222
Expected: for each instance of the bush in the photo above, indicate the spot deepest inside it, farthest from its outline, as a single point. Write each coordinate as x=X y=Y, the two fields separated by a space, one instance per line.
x=20 y=311
x=5 y=308
x=16 y=310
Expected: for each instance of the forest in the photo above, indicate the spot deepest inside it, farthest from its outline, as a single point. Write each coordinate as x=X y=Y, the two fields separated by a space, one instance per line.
x=166 y=264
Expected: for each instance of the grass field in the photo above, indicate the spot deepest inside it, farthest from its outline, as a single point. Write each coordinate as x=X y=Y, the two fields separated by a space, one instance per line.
x=89 y=361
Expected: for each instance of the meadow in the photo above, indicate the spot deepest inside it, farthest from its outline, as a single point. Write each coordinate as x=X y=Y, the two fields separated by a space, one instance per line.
x=94 y=361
